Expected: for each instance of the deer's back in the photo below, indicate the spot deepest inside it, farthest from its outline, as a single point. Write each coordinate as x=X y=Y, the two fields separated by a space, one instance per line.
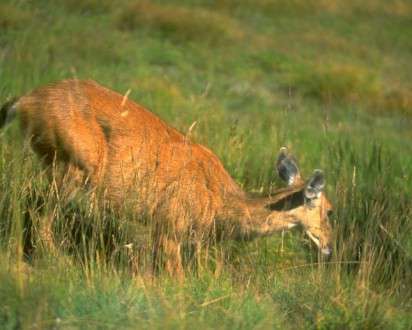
x=125 y=148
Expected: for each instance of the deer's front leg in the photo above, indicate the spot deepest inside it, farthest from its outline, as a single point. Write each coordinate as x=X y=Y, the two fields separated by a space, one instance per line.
x=167 y=255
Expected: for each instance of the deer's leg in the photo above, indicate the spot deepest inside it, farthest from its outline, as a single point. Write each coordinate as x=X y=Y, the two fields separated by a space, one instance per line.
x=44 y=229
x=173 y=258
x=167 y=255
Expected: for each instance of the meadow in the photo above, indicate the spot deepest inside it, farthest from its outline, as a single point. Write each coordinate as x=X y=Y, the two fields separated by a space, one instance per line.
x=332 y=80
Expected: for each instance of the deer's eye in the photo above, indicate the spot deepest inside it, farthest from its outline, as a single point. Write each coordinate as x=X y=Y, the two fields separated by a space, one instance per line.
x=329 y=213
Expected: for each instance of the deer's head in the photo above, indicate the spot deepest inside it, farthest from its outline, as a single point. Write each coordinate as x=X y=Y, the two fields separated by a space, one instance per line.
x=305 y=201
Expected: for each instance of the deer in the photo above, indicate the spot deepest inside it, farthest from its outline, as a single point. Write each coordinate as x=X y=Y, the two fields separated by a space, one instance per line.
x=104 y=140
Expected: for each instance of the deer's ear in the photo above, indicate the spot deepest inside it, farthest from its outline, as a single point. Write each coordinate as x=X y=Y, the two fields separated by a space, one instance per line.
x=287 y=167
x=315 y=185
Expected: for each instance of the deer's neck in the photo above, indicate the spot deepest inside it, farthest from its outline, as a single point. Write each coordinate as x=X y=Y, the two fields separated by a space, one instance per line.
x=248 y=218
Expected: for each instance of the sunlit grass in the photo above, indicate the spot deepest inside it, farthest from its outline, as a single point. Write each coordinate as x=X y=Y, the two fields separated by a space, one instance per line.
x=180 y=22
x=12 y=17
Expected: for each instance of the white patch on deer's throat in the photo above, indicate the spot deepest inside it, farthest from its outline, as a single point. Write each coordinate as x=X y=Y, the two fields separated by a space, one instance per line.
x=313 y=238
x=291 y=225
x=326 y=251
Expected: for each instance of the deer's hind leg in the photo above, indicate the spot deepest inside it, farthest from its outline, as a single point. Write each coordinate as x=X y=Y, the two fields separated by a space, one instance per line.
x=66 y=179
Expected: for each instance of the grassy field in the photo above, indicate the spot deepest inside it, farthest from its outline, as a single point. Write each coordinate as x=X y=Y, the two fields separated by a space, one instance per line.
x=330 y=79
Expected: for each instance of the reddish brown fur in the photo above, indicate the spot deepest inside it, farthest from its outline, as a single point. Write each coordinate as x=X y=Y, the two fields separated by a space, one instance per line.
x=140 y=160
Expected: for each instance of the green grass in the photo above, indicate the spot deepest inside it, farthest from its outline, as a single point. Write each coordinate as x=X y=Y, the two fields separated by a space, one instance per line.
x=332 y=80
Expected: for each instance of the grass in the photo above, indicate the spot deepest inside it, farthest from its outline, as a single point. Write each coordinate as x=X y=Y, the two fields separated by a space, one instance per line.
x=329 y=79
x=179 y=22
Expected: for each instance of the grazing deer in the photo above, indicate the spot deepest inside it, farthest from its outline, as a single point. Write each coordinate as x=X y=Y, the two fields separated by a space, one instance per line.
x=117 y=145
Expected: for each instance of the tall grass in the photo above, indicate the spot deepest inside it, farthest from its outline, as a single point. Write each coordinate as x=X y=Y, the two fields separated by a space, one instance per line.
x=367 y=279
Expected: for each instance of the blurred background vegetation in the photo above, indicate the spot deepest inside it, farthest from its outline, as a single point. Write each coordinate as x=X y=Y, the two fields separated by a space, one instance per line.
x=330 y=79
